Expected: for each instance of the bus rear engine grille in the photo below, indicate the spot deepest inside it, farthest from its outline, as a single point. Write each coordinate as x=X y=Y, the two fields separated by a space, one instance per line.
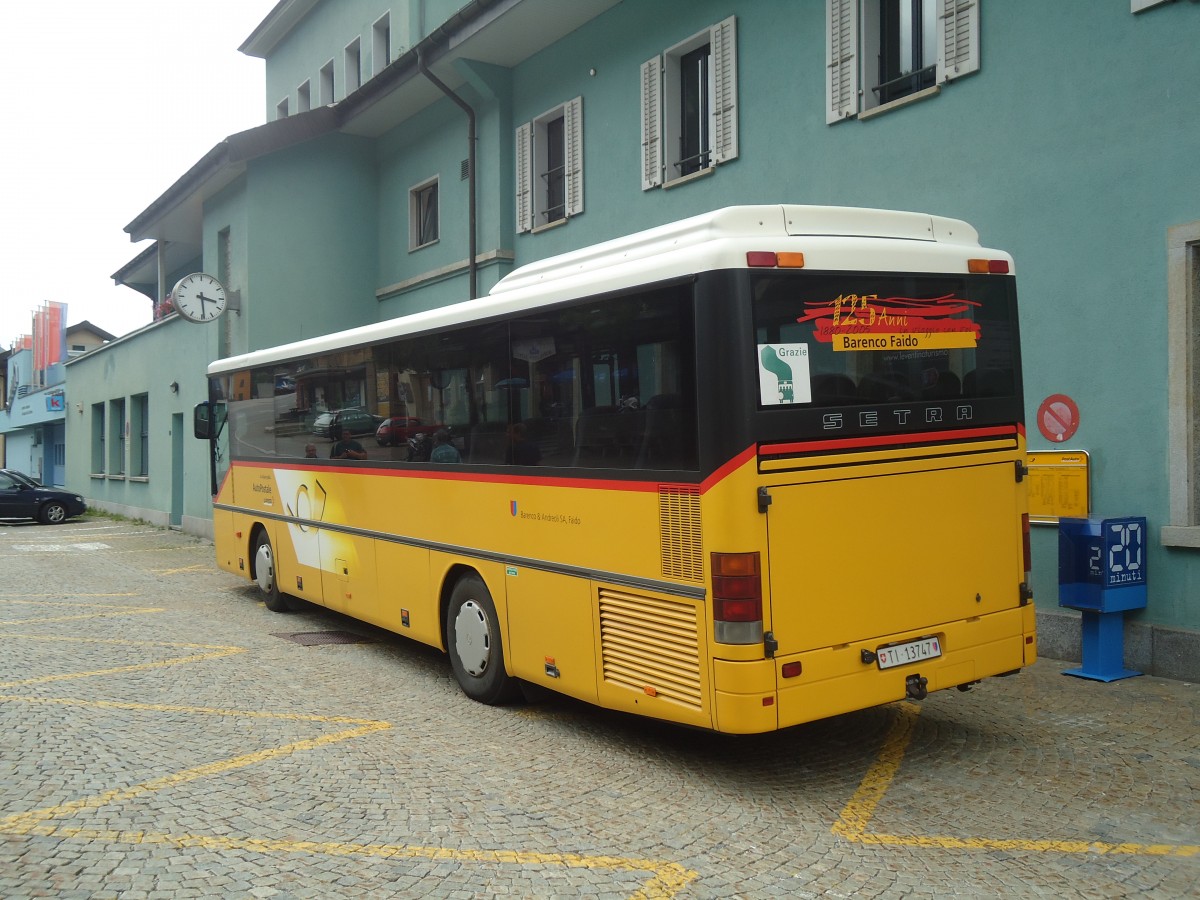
x=651 y=645
x=679 y=532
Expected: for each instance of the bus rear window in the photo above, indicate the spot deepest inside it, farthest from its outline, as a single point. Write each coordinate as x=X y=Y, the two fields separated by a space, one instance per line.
x=837 y=339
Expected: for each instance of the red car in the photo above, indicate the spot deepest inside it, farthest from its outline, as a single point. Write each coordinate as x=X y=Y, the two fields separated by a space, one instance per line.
x=396 y=431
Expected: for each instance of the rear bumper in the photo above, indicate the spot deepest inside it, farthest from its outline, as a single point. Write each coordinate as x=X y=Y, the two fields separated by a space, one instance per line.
x=753 y=696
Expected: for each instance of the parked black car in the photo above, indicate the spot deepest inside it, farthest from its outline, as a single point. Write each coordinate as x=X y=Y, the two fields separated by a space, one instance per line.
x=22 y=497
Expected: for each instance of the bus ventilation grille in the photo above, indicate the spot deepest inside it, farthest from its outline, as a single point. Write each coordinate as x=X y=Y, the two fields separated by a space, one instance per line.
x=679 y=532
x=651 y=645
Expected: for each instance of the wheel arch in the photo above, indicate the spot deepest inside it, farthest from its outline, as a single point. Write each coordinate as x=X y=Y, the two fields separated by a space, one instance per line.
x=252 y=542
x=492 y=576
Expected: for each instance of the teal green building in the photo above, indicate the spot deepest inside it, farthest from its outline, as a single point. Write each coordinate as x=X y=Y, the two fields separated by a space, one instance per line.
x=416 y=152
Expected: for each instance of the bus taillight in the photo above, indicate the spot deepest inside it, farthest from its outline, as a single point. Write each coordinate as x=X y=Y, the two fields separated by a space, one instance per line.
x=737 y=598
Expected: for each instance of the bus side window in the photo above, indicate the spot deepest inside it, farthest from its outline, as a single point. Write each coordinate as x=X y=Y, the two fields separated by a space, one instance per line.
x=663 y=439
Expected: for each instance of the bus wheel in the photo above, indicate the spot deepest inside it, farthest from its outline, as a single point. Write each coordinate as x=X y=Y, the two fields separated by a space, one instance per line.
x=264 y=575
x=473 y=639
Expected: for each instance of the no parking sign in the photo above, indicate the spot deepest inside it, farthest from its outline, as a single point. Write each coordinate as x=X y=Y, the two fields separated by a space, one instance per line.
x=1058 y=418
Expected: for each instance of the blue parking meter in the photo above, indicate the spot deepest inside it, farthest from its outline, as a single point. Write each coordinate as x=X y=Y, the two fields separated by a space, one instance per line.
x=1102 y=573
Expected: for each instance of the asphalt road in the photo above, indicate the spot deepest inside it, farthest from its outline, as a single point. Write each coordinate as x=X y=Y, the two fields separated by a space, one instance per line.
x=164 y=735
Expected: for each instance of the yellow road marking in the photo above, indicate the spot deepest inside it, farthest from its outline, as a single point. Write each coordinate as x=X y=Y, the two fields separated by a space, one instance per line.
x=857 y=813
x=106 y=609
x=116 y=611
x=196 y=568
x=27 y=822
x=216 y=651
x=668 y=878
x=27 y=598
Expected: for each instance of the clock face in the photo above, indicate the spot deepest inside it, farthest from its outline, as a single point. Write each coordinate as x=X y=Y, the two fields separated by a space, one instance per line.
x=199 y=297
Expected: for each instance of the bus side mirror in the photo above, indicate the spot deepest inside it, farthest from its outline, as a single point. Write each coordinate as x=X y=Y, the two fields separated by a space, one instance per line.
x=202 y=421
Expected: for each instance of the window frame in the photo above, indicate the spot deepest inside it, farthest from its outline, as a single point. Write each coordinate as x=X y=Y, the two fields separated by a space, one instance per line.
x=328 y=84
x=99 y=437
x=117 y=431
x=139 y=452
x=533 y=155
x=415 y=210
x=1183 y=385
x=352 y=66
x=662 y=106
x=381 y=43
x=852 y=45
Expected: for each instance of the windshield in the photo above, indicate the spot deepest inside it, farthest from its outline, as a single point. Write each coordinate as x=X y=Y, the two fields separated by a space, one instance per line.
x=876 y=352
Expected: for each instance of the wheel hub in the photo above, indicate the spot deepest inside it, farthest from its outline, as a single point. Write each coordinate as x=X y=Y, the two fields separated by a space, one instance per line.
x=264 y=568
x=472 y=640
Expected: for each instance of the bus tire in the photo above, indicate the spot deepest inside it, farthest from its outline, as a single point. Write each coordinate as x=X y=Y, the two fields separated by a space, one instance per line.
x=264 y=575
x=473 y=641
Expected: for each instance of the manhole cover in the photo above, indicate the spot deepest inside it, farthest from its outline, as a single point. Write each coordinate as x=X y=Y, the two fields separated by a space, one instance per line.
x=317 y=638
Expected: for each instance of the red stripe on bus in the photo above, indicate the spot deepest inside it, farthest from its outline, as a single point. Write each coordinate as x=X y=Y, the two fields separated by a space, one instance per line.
x=892 y=440
x=727 y=469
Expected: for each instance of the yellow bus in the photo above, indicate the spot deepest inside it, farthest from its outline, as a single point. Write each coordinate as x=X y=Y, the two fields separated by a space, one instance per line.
x=742 y=471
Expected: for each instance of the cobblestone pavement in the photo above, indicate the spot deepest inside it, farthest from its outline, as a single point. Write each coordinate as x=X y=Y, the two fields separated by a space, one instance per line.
x=161 y=739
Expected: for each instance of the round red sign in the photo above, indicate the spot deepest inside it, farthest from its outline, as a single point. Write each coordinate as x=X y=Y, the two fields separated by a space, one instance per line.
x=1058 y=418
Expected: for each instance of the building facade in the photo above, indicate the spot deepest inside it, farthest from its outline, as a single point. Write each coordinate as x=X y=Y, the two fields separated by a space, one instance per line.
x=32 y=419
x=415 y=152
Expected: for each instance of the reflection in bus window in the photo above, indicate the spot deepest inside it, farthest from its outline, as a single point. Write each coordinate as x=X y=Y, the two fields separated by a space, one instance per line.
x=599 y=385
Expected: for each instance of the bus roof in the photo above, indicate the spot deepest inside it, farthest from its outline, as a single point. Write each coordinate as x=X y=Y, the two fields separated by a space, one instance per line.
x=831 y=238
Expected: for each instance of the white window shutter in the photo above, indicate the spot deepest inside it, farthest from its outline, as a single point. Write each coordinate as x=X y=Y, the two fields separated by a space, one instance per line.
x=841 y=60
x=958 y=47
x=524 y=179
x=573 y=134
x=652 y=164
x=723 y=41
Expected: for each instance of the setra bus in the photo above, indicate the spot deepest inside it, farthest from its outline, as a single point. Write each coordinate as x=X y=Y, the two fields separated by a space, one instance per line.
x=746 y=470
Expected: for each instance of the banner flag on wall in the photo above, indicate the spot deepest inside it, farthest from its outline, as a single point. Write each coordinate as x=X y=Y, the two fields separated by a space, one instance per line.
x=49 y=335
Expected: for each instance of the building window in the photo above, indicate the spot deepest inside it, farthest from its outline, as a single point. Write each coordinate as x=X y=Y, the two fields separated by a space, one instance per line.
x=1183 y=384
x=116 y=437
x=381 y=44
x=98 y=439
x=879 y=52
x=327 y=95
x=423 y=214
x=304 y=97
x=353 y=67
x=549 y=157
x=281 y=109
x=139 y=427
x=689 y=106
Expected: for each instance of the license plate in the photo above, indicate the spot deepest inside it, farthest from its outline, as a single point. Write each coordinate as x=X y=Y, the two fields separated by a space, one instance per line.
x=908 y=652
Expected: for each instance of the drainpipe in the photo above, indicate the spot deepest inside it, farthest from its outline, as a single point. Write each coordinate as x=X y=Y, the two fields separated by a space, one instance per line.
x=472 y=267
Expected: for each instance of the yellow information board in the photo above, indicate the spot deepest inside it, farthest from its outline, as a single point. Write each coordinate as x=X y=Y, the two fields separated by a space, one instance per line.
x=1059 y=485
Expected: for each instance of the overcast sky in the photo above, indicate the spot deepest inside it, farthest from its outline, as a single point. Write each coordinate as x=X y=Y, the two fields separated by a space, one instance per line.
x=108 y=103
